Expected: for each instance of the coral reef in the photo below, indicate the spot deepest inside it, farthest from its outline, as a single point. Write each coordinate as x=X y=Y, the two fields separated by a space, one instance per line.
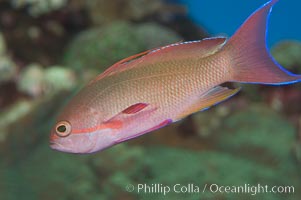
x=8 y=68
x=104 y=12
x=39 y=7
x=31 y=80
x=36 y=81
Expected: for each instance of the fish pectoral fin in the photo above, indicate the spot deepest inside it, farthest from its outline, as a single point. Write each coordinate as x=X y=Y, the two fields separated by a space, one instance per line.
x=208 y=99
x=135 y=108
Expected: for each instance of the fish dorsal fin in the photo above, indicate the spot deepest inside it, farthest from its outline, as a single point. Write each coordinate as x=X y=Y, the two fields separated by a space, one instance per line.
x=210 y=98
x=200 y=48
x=119 y=65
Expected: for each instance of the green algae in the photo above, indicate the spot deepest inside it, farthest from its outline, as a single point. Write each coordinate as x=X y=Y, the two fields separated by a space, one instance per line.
x=288 y=54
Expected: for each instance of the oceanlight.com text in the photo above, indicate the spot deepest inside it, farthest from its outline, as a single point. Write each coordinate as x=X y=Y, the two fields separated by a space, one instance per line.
x=190 y=188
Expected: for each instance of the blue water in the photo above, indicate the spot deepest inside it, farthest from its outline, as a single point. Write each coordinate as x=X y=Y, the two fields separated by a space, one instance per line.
x=223 y=17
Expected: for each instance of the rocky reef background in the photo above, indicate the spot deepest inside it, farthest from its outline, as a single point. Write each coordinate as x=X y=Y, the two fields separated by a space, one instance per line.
x=51 y=48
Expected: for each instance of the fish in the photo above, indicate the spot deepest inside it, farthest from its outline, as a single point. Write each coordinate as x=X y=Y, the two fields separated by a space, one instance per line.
x=155 y=88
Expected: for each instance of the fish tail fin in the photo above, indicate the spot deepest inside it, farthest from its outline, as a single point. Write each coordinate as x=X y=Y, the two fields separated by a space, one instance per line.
x=251 y=61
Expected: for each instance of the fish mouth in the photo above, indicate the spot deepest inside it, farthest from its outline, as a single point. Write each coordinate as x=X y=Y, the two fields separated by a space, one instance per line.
x=59 y=147
x=77 y=144
x=71 y=148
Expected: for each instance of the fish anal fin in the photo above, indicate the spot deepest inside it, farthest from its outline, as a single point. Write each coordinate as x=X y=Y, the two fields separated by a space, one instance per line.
x=135 y=108
x=210 y=98
x=162 y=124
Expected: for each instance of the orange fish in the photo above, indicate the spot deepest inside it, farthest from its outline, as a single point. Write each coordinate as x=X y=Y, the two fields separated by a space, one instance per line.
x=152 y=89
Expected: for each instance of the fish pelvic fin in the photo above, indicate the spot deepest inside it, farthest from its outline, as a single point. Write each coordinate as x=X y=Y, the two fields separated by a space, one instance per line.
x=161 y=125
x=212 y=97
x=251 y=61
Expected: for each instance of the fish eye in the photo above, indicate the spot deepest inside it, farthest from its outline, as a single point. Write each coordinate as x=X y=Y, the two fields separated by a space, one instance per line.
x=63 y=129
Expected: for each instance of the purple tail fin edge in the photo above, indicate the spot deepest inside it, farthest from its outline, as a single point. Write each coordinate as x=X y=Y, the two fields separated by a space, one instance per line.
x=251 y=61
